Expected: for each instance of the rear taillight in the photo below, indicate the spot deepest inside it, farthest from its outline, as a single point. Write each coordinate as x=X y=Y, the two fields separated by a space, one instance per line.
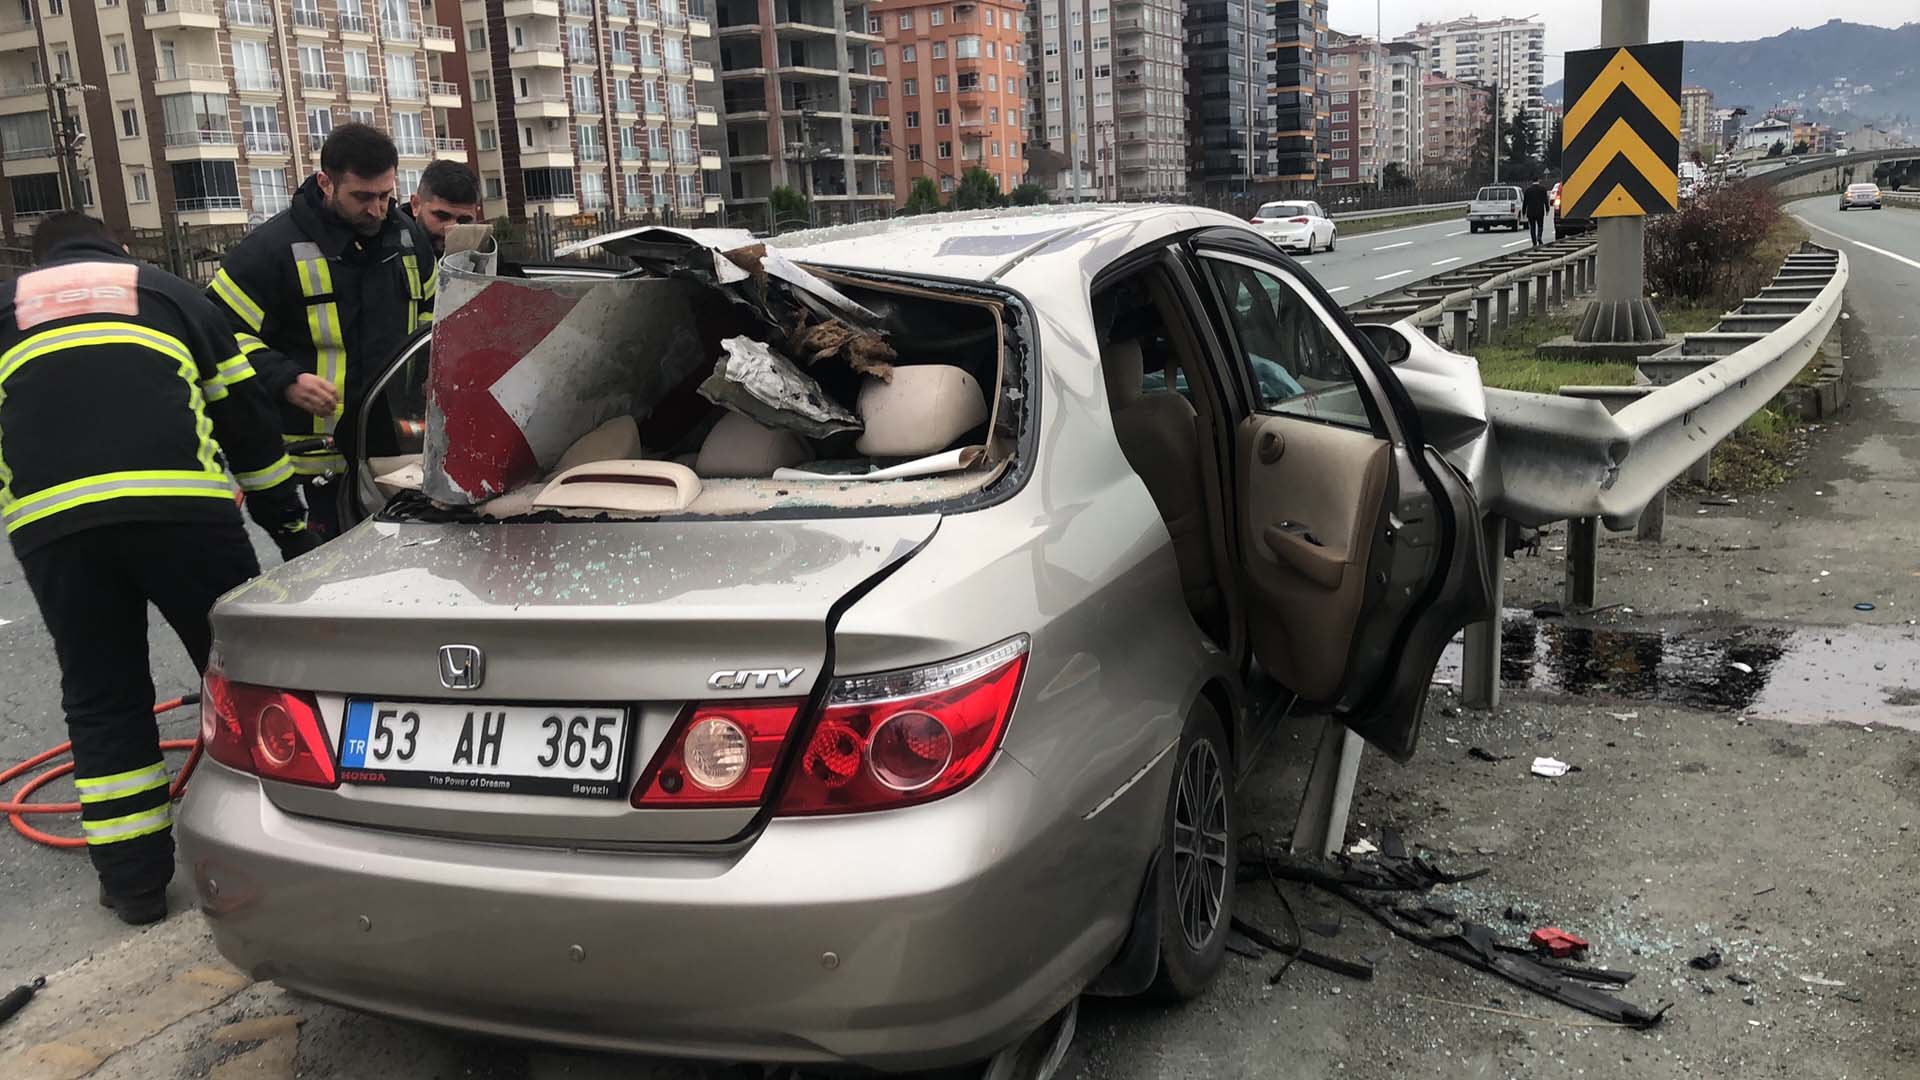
x=718 y=755
x=275 y=734
x=1298 y=220
x=905 y=737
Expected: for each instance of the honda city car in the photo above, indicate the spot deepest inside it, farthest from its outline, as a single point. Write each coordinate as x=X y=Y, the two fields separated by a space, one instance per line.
x=852 y=713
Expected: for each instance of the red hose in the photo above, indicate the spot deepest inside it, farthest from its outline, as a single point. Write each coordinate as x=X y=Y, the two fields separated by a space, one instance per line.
x=19 y=807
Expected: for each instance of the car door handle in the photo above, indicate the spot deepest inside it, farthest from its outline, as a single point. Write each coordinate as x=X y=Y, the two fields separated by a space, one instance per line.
x=1270 y=447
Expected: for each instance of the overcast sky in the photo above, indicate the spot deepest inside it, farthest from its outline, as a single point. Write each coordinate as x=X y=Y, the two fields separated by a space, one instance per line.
x=1575 y=24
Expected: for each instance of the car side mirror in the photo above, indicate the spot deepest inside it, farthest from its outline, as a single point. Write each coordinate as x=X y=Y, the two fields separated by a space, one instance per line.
x=1391 y=344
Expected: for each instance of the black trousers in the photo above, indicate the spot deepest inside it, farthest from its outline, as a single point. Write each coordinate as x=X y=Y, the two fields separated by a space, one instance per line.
x=93 y=588
x=1536 y=225
x=323 y=506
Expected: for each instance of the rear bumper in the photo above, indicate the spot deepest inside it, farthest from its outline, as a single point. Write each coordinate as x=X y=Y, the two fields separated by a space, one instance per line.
x=916 y=938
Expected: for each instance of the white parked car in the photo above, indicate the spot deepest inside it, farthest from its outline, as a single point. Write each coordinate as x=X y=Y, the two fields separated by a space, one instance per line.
x=1295 y=226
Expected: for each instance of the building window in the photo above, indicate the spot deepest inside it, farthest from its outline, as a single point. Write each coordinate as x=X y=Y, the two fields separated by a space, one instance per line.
x=483 y=89
x=938 y=17
x=489 y=136
x=876 y=58
x=63 y=63
x=56 y=8
x=946 y=150
x=993 y=116
x=1342 y=174
x=946 y=183
x=495 y=188
x=319 y=122
x=1053 y=77
x=939 y=84
x=1339 y=99
x=910 y=88
x=1099 y=15
x=360 y=116
x=909 y=54
x=943 y=117
x=913 y=151
x=993 y=83
x=270 y=190
x=1049 y=22
x=1103 y=71
x=477 y=39
x=142 y=191
x=873 y=25
x=1341 y=135
x=120 y=57
x=906 y=20
x=1340 y=117
x=1051 y=48
x=1341 y=153
x=939 y=50
x=129 y=121
x=1100 y=43
x=967 y=47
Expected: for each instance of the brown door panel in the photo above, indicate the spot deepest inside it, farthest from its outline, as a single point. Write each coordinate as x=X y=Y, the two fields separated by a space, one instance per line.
x=1313 y=494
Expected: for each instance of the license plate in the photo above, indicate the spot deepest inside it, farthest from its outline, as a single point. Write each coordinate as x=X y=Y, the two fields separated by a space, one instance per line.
x=513 y=749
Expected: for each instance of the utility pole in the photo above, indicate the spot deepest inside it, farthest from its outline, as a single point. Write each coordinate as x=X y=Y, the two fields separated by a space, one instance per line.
x=67 y=142
x=1620 y=311
x=806 y=159
x=1067 y=127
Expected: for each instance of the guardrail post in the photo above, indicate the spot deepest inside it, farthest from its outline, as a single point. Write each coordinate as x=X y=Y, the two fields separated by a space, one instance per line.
x=1559 y=280
x=1583 y=561
x=1482 y=314
x=1579 y=269
x=1653 y=520
x=1480 y=661
x=1502 y=315
x=1701 y=472
x=1432 y=330
x=1461 y=331
x=1540 y=297
x=1321 y=826
x=1526 y=298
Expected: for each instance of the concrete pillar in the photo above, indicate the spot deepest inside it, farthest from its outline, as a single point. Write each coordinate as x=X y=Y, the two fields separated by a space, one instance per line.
x=1480 y=661
x=1653 y=520
x=1526 y=298
x=1462 y=332
x=1501 y=315
x=1482 y=316
x=1559 y=276
x=1621 y=311
x=1540 y=297
x=1583 y=561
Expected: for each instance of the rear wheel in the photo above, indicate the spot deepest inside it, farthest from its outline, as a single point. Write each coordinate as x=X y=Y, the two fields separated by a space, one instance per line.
x=1331 y=237
x=1201 y=851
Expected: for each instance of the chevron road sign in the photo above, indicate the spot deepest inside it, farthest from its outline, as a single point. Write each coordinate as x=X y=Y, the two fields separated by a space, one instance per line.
x=1621 y=141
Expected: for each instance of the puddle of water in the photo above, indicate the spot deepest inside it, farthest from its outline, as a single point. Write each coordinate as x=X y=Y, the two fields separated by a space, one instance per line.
x=1800 y=675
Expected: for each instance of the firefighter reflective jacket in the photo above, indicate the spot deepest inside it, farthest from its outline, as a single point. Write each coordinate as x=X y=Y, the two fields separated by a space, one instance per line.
x=121 y=390
x=306 y=294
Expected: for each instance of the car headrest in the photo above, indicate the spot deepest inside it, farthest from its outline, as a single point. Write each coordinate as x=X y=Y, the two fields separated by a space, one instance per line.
x=921 y=411
x=740 y=447
x=1125 y=371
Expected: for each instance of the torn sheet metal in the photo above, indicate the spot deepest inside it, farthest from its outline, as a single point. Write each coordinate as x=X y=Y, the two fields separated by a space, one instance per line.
x=762 y=385
x=522 y=368
x=732 y=256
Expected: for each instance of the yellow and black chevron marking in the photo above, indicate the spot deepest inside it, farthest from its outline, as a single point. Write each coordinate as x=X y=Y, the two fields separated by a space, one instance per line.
x=1621 y=135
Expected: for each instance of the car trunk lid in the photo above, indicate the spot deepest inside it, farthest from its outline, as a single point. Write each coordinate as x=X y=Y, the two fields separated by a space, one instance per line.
x=643 y=617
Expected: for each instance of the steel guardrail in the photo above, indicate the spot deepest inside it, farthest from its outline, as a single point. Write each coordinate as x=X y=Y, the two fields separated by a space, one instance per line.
x=1562 y=458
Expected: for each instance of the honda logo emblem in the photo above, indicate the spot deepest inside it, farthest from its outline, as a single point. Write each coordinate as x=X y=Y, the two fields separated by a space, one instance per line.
x=462 y=667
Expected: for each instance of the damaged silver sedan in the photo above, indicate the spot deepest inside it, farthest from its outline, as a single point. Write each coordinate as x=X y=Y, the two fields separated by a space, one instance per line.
x=839 y=653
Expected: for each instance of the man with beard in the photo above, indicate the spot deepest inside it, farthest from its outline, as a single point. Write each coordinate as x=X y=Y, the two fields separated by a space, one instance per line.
x=448 y=195
x=322 y=295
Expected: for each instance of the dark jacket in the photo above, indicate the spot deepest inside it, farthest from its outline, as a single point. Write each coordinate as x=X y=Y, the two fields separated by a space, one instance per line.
x=124 y=397
x=1534 y=200
x=307 y=294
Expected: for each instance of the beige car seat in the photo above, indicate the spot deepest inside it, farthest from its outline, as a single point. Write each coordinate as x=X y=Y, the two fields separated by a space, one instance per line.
x=921 y=411
x=1160 y=436
x=741 y=447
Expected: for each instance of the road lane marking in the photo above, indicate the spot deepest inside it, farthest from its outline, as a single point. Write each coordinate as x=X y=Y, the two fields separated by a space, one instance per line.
x=1451 y=235
x=1390 y=247
x=1339 y=288
x=1395 y=274
x=1516 y=243
x=1857 y=243
x=1404 y=228
x=1444 y=262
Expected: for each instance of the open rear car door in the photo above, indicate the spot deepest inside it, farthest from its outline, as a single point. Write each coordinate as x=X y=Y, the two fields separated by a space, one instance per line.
x=1360 y=549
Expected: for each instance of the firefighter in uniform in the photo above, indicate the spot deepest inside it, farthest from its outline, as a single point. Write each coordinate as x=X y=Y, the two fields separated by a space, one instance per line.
x=121 y=392
x=323 y=294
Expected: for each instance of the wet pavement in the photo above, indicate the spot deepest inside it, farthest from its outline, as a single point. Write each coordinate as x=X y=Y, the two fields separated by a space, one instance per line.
x=1799 y=674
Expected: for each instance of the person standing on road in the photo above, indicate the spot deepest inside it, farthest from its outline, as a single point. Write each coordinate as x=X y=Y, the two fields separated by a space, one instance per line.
x=121 y=391
x=448 y=195
x=325 y=292
x=1534 y=202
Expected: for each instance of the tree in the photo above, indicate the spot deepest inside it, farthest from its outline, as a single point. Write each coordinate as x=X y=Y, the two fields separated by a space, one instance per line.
x=978 y=190
x=1802 y=148
x=1523 y=143
x=1778 y=148
x=787 y=207
x=1551 y=153
x=922 y=198
x=1395 y=178
x=1031 y=194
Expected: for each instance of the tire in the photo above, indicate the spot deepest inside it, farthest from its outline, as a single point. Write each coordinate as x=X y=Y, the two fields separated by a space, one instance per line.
x=1331 y=237
x=1194 y=878
x=1472 y=228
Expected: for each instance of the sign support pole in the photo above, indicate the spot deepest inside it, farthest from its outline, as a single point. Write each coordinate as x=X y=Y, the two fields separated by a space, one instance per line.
x=1620 y=311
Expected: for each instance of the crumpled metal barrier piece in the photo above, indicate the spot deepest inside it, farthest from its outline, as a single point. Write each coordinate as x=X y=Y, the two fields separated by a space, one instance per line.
x=759 y=383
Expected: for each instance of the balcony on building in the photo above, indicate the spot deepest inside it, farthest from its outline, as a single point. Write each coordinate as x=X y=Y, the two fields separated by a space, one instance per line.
x=245 y=13
x=20 y=96
x=266 y=143
x=557 y=156
x=309 y=22
x=587 y=104
x=620 y=59
x=205 y=143
x=746 y=105
x=413 y=146
x=699 y=24
x=171 y=15
x=537 y=53
x=645 y=11
x=804 y=18
x=619 y=12
x=437 y=38
x=593 y=152
x=256 y=80
x=678 y=65
x=363 y=86
x=702 y=71
x=579 y=9
x=399 y=32
x=680 y=112
x=443 y=95
x=353 y=25
x=741 y=18
x=539 y=103
x=625 y=106
x=449 y=149
x=707 y=116
x=408 y=91
x=316 y=84
x=184 y=77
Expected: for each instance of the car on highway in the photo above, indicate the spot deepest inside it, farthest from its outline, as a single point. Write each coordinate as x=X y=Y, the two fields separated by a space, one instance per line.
x=1563 y=225
x=1866 y=194
x=720 y=744
x=1296 y=226
x=1496 y=206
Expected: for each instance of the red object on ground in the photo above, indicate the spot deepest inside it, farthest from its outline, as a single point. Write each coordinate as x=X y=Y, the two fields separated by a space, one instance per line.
x=1557 y=942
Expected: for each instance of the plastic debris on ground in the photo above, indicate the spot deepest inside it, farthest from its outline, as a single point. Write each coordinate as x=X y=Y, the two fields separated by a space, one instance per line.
x=1550 y=767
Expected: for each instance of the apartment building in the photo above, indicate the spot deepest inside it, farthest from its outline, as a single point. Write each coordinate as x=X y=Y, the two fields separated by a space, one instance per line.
x=1109 y=93
x=803 y=107
x=1509 y=55
x=1405 y=130
x=1458 y=114
x=1229 y=141
x=1356 y=99
x=955 y=95
x=1296 y=89
x=1699 y=129
x=591 y=105
x=209 y=113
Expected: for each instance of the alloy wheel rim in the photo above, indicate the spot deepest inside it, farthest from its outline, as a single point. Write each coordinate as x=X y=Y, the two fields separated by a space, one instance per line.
x=1200 y=845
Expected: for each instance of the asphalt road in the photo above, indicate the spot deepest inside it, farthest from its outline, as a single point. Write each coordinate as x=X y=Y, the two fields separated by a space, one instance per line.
x=1367 y=264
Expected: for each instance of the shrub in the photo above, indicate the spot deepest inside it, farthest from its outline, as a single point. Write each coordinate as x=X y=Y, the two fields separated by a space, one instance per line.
x=1030 y=194
x=1702 y=251
x=788 y=208
x=977 y=190
x=922 y=198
